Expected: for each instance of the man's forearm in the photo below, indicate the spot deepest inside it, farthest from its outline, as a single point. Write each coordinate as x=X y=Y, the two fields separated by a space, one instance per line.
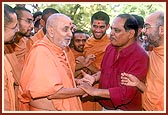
x=97 y=76
x=102 y=93
x=92 y=68
x=66 y=93
x=141 y=86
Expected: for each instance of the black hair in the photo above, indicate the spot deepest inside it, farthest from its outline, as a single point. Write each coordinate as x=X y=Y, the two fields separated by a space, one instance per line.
x=130 y=23
x=73 y=34
x=139 y=19
x=38 y=13
x=19 y=10
x=100 y=15
x=48 y=11
x=37 y=23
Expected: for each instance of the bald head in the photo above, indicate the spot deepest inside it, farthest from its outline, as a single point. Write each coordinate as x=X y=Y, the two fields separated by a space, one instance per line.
x=59 y=28
x=158 y=16
x=56 y=19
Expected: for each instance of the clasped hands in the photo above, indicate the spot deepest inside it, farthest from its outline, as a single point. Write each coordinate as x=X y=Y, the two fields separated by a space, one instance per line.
x=86 y=61
x=86 y=83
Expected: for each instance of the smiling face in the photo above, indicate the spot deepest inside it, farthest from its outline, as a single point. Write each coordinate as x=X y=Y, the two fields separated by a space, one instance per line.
x=79 y=41
x=99 y=28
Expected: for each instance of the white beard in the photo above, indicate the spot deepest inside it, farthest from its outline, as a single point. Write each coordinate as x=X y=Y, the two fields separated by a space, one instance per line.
x=63 y=44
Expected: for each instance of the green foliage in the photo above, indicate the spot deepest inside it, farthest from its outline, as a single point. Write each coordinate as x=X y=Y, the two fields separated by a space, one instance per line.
x=81 y=12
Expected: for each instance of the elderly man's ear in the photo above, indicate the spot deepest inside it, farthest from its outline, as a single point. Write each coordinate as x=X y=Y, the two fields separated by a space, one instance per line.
x=161 y=30
x=50 y=31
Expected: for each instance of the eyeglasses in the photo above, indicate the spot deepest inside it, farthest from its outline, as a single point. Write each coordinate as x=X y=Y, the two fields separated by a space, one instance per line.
x=147 y=26
x=29 y=21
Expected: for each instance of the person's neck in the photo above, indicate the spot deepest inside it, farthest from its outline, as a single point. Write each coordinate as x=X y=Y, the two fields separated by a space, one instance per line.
x=125 y=46
x=18 y=37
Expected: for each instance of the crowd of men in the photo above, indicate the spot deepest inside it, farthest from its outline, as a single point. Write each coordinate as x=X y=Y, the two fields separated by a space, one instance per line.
x=52 y=65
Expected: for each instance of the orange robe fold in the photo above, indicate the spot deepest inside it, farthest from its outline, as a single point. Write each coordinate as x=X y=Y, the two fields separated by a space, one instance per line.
x=38 y=36
x=21 y=50
x=76 y=53
x=45 y=72
x=96 y=47
x=71 y=58
x=12 y=73
x=9 y=91
x=153 y=97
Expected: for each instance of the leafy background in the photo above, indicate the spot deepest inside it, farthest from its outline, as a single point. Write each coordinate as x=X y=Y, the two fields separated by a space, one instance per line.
x=81 y=12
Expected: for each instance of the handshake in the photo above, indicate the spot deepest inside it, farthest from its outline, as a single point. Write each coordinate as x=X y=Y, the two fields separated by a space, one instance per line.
x=86 y=82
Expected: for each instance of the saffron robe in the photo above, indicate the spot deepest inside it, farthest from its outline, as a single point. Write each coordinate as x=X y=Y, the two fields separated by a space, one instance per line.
x=45 y=72
x=12 y=73
x=96 y=47
x=153 y=97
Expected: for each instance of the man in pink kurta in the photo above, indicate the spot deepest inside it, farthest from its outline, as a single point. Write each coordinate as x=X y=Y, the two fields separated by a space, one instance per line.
x=47 y=81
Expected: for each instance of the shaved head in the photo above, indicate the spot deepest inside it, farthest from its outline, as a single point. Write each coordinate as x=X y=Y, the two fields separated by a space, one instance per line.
x=59 y=29
x=55 y=19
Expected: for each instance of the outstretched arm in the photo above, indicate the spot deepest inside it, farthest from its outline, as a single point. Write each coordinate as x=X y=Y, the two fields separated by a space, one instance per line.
x=94 y=91
x=66 y=93
x=88 y=78
x=131 y=80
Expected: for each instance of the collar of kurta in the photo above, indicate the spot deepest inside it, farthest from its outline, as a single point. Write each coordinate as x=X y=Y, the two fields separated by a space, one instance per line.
x=128 y=50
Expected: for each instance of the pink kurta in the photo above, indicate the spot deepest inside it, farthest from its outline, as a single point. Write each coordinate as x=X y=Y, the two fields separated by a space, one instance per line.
x=45 y=72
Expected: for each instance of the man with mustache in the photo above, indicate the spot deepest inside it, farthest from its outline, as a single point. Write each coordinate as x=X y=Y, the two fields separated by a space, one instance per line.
x=122 y=55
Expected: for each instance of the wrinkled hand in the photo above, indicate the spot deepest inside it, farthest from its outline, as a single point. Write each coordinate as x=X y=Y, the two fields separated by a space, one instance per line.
x=87 y=78
x=78 y=81
x=87 y=88
x=129 y=79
